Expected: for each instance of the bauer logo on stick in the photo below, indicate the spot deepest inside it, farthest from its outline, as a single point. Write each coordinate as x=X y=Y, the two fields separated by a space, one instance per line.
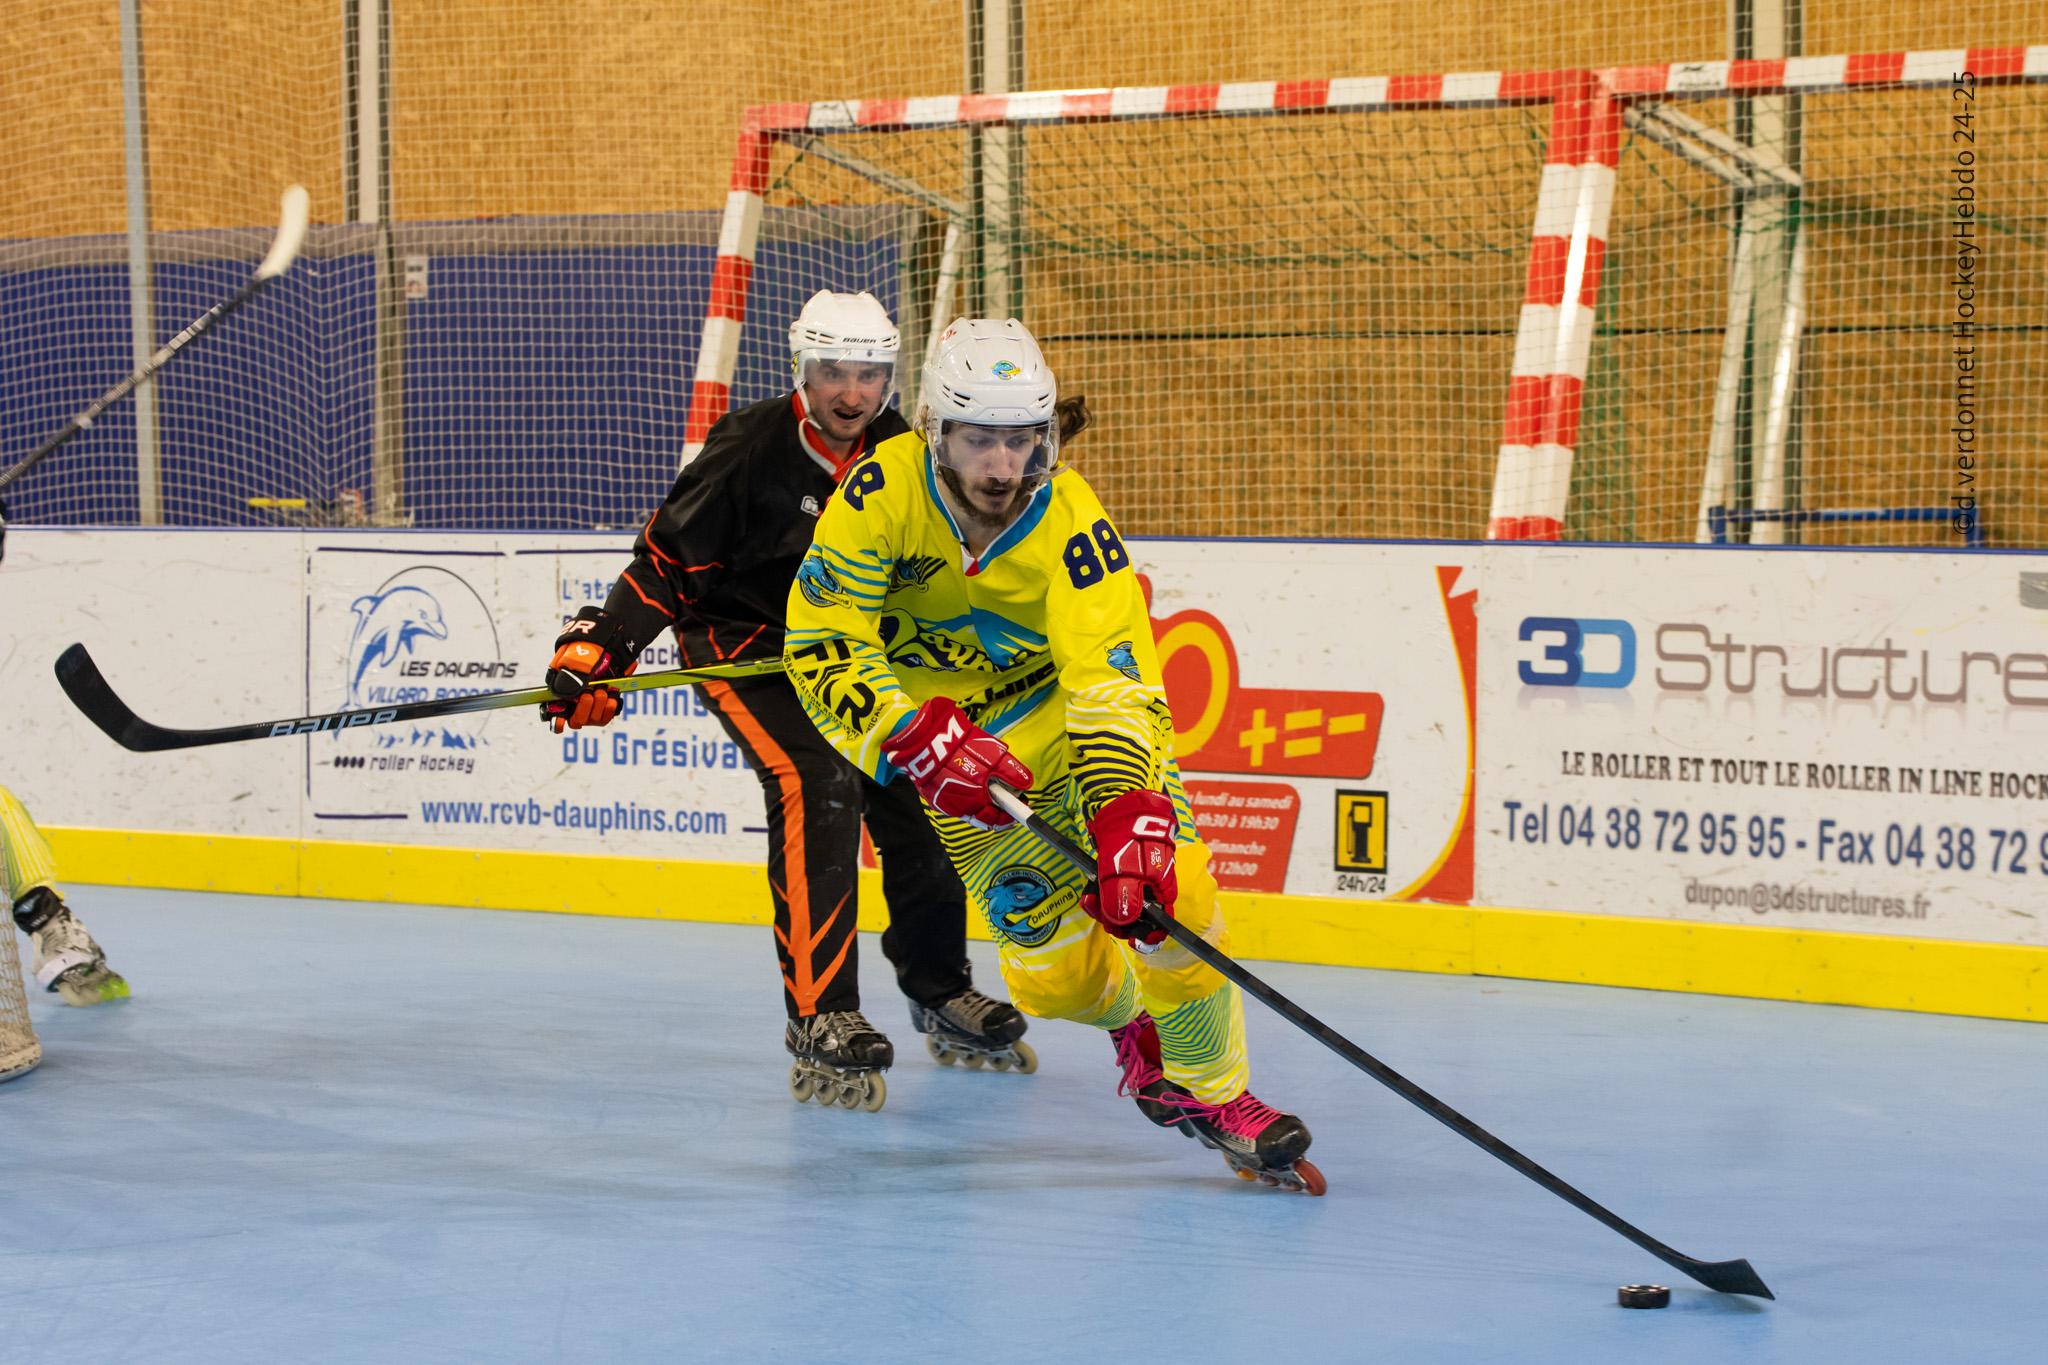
x=313 y=725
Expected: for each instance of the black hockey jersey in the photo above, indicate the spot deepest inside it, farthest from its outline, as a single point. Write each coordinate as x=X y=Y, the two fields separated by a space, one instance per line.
x=715 y=561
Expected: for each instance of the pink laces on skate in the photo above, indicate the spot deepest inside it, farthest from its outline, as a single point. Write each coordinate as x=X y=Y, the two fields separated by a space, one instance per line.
x=1139 y=1071
x=1245 y=1117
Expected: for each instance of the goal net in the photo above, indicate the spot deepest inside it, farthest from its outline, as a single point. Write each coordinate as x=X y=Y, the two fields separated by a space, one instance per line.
x=19 y=1050
x=1717 y=301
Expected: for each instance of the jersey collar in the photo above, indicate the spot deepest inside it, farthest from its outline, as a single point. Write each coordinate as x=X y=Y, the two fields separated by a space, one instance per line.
x=808 y=436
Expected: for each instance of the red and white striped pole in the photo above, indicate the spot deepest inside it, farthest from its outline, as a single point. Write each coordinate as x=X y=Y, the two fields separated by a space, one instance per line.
x=1554 y=340
x=739 y=233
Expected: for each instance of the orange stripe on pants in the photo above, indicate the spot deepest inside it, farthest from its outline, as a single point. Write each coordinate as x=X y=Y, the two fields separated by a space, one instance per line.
x=802 y=940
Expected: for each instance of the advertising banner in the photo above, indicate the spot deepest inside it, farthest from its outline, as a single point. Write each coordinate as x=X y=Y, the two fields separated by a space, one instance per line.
x=1803 y=739
x=1836 y=740
x=417 y=619
x=1322 y=695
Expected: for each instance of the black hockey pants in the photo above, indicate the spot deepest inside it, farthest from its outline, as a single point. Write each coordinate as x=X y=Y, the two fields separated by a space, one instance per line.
x=816 y=801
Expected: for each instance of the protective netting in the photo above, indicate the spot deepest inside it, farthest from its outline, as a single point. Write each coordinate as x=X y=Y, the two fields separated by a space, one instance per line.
x=19 y=1050
x=1285 y=326
x=241 y=100
x=1304 y=325
x=1915 y=320
x=1290 y=326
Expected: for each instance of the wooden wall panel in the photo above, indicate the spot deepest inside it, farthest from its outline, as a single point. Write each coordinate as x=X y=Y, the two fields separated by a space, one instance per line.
x=61 y=170
x=243 y=100
x=534 y=107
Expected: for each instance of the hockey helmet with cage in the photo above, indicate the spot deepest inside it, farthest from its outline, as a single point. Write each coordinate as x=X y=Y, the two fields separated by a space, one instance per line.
x=985 y=373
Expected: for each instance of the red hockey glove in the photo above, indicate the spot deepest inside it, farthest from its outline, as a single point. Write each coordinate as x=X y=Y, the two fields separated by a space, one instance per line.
x=951 y=760
x=1134 y=851
x=592 y=645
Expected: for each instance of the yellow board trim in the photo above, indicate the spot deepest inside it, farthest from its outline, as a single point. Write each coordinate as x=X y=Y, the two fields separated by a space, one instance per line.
x=1937 y=976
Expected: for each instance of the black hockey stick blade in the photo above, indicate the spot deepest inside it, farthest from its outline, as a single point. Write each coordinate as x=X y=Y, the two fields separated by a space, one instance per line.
x=90 y=692
x=294 y=214
x=1728 y=1277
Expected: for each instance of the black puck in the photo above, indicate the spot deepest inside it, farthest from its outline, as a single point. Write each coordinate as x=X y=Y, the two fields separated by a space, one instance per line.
x=1644 y=1296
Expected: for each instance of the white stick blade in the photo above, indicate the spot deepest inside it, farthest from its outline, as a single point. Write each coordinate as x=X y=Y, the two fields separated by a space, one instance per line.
x=296 y=213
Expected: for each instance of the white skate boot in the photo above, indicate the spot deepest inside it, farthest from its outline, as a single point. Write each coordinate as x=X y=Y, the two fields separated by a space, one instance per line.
x=67 y=961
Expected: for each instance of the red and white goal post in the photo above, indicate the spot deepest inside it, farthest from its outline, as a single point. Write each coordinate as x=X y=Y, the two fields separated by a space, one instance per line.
x=1683 y=301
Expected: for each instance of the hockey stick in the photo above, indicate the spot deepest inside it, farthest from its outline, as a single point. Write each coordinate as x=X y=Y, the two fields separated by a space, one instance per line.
x=1729 y=1277
x=90 y=692
x=284 y=249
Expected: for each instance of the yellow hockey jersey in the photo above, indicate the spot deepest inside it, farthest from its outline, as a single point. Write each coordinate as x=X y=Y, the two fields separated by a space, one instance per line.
x=1043 y=639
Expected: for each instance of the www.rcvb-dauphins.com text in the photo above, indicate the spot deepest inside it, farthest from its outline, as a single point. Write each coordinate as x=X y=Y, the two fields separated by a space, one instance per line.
x=617 y=817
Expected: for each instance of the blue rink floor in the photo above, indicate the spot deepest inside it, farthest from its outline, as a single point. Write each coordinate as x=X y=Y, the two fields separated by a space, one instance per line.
x=339 y=1132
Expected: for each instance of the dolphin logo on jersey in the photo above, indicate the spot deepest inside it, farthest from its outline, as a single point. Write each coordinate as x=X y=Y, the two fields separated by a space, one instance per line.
x=915 y=571
x=1123 y=661
x=386 y=625
x=1016 y=896
x=817 y=582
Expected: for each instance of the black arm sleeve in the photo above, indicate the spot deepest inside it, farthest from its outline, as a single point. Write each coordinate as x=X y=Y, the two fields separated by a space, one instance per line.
x=687 y=547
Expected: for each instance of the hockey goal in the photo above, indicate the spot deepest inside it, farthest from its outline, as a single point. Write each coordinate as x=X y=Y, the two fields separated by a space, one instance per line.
x=19 y=1050
x=1710 y=301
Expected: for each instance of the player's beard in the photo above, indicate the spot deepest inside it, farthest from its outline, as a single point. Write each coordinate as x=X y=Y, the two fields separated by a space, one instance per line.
x=971 y=509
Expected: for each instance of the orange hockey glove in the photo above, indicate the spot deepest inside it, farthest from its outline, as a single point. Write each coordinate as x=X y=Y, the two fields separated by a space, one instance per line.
x=591 y=647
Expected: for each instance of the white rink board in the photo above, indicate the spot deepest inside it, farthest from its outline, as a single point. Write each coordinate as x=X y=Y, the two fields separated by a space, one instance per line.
x=192 y=629
x=1283 y=641
x=199 y=629
x=1861 y=805
x=1313 y=624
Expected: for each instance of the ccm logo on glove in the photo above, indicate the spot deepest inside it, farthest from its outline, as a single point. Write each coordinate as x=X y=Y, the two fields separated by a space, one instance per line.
x=939 y=748
x=951 y=760
x=1134 y=854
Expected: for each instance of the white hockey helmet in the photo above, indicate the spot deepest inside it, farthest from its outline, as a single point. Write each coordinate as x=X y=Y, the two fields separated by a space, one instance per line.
x=843 y=327
x=986 y=373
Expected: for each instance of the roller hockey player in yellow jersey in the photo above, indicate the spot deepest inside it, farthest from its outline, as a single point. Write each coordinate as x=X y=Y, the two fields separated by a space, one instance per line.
x=968 y=613
x=67 y=961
